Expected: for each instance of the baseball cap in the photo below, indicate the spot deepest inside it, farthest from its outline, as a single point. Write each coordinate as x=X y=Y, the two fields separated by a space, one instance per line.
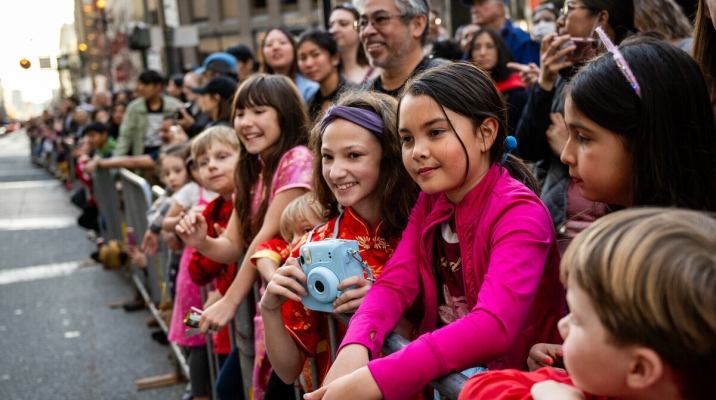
x=220 y=62
x=221 y=85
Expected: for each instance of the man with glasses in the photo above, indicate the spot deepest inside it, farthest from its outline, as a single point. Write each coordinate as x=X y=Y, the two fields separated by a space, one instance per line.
x=393 y=33
x=491 y=14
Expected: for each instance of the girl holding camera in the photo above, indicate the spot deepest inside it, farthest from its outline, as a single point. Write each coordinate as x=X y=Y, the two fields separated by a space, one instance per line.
x=357 y=170
x=478 y=260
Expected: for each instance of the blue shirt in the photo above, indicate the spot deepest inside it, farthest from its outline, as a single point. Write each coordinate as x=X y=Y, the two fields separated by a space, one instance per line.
x=523 y=48
x=305 y=86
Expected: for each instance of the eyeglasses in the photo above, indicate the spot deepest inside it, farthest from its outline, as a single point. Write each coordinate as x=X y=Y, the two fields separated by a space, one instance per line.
x=569 y=7
x=378 y=21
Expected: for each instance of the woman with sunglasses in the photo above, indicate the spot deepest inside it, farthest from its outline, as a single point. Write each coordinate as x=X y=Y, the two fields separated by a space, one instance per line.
x=541 y=133
x=354 y=63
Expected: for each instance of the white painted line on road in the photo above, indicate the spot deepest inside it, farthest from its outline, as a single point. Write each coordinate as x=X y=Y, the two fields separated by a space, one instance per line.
x=19 y=224
x=29 y=184
x=26 y=274
x=73 y=334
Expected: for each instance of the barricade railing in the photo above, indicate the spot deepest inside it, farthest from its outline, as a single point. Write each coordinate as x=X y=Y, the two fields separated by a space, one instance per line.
x=243 y=338
x=105 y=192
x=138 y=198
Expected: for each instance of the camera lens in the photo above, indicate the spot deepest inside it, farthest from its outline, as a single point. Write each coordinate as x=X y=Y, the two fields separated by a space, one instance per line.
x=319 y=287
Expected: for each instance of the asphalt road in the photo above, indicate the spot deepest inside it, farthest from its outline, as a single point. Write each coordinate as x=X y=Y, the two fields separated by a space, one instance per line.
x=58 y=338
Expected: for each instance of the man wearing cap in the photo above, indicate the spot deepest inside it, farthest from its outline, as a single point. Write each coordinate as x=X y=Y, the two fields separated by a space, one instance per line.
x=393 y=33
x=139 y=132
x=218 y=64
x=491 y=14
x=216 y=97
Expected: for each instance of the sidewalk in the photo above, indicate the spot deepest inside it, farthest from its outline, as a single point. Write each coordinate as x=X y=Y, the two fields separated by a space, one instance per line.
x=58 y=338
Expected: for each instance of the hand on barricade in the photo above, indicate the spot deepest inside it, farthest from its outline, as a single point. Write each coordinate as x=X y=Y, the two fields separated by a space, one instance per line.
x=529 y=73
x=351 y=358
x=150 y=243
x=552 y=59
x=91 y=166
x=192 y=229
x=349 y=301
x=212 y=298
x=217 y=316
x=136 y=257
x=551 y=390
x=545 y=355
x=358 y=385
x=172 y=241
x=284 y=285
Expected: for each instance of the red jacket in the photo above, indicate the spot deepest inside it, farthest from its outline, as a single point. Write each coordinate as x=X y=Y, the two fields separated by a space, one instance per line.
x=511 y=384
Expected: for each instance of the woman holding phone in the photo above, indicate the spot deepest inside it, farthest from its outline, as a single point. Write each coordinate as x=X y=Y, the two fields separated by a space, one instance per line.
x=541 y=133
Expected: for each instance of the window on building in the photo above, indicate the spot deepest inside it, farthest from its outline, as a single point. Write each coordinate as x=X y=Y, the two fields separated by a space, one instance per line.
x=199 y=10
x=259 y=5
x=229 y=9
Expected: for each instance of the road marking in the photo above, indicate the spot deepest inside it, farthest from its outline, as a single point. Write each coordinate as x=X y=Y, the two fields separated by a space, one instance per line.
x=73 y=334
x=26 y=274
x=19 y=224
x=28 y=184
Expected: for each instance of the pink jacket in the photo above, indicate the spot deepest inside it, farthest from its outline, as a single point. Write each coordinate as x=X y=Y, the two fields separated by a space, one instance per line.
x=511 y=273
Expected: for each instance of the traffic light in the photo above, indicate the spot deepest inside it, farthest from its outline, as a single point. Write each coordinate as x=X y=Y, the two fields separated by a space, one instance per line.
x=25 y=63
x=101 y=4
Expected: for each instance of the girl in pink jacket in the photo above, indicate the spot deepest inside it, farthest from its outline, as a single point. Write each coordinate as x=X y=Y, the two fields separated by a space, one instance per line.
x=477 y=269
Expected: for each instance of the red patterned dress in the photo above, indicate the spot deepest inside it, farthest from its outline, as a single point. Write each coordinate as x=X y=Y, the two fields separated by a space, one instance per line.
x=309 y=328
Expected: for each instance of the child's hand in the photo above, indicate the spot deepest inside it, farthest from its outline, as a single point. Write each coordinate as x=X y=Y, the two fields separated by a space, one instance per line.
x=545 y=355
x=192 y=229
x=349 y=301
x=217 y=316
x=171 y=241
x=150 y=243
x=136 y=257
x=91 y=166
x=212 y=298
x=357 y=385
x=283 y=286
x=197 y=209
x=267 y=268
x=551 y=390
x=219 y=230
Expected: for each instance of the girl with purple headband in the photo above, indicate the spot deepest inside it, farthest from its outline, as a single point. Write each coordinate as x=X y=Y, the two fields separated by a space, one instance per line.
x=367 y=194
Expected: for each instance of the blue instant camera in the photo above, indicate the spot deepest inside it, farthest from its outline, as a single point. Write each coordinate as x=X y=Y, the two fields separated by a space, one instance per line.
x=326 y=264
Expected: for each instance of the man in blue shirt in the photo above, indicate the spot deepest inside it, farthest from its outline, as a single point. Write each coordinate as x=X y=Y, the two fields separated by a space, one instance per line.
x=491 y=14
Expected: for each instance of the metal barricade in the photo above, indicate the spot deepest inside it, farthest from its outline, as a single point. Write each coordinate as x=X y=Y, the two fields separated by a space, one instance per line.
x=243 y=338
x=137 y=200
x=105 y=192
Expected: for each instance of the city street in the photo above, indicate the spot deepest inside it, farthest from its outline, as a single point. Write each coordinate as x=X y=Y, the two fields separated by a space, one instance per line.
x=58 y=337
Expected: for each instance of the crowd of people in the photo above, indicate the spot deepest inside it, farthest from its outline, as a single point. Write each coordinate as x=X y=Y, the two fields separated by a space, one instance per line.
x=522 y=202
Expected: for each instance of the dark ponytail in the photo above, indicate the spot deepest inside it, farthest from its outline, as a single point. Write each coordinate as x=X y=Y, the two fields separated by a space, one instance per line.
x=469 y=91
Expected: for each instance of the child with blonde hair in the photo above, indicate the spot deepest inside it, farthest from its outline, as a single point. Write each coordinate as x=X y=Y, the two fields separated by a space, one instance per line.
x=298 y=218
x=641 y=287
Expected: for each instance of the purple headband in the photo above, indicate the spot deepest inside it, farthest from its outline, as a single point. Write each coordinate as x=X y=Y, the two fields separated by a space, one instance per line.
x=361 y=117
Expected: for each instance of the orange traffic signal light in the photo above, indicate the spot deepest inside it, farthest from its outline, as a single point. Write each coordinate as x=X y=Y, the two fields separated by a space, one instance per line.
x=82 y=47
x=101 y=4
x=25 y=63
